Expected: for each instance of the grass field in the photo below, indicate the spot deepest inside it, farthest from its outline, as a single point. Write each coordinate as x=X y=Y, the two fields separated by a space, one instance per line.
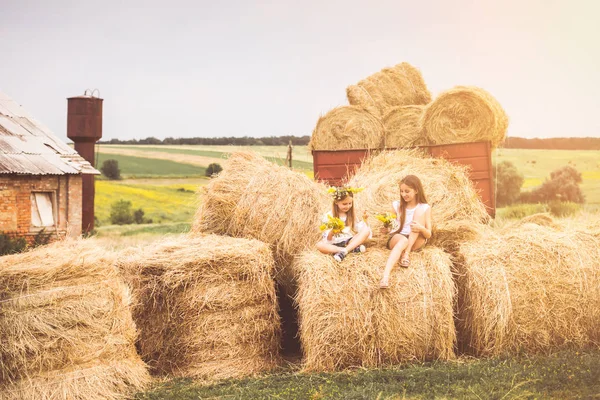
x=175 y=201
x=536 y=165
x=565 y=375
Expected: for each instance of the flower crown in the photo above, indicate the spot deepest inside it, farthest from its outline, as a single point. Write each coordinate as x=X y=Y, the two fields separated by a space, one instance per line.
x=338 y=193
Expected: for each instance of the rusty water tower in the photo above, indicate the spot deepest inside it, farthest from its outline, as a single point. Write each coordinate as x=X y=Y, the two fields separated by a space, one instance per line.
x=84 y=128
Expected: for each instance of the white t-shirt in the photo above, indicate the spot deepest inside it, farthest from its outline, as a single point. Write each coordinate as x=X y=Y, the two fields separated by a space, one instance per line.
x=346 y=233
x=410 y=212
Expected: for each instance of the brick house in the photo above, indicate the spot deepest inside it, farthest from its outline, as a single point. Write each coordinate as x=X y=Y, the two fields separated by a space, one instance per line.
x=40 y=177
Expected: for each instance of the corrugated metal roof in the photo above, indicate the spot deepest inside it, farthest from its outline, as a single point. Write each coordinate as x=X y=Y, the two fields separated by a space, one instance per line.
x=28 y=147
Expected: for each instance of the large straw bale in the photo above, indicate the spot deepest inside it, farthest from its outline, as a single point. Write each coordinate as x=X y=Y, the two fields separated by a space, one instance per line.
x=254 y=198
x=465 y=114
x=403 y=127
x=347 y=321
x=347 y=127
x=95 y=381
x=63 y=308
x=205 y=305
x=456 y=207
x=399 y=85
x=531 y=289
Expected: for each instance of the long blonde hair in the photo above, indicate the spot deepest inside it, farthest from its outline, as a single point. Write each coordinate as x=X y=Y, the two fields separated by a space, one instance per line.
x=413 y=182
x=349 y=215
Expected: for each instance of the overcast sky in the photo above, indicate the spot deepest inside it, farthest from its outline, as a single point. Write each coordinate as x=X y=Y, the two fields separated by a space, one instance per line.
x=269 y=68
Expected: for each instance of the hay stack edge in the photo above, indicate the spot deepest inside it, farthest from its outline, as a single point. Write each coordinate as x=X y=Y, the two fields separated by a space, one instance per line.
x=528 y=290
x=254 y=198
x=66 y=329
x=347 y=321
x=205 y=305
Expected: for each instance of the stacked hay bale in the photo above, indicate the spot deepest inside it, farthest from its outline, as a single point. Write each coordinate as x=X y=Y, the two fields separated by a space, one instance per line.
x=348 y=127
x=347 y=321
x=456 y=207
x=400 y=85
x=360 y=125
x=206 y=306
x=404 y=127
x=398 y=96
x=66 y=329
x=254 y=198
x=530 y=289
x=465 y=114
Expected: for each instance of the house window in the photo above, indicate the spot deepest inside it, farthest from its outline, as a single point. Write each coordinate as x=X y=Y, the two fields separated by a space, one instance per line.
x=42 y=209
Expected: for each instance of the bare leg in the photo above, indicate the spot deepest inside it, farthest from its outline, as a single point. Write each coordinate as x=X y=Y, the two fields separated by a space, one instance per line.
x=398 y=243
x=358 y=239
x=415 y=239
x=328 y=248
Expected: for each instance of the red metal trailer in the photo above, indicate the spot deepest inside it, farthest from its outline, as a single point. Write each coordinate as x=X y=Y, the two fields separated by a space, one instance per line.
x=334 y=166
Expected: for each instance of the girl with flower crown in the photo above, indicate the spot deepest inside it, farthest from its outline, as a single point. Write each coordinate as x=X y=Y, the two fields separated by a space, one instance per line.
x=413 y=228
x=343 y=232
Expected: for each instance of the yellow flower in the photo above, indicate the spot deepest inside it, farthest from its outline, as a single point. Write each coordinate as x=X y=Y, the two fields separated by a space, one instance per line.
x=387 y=218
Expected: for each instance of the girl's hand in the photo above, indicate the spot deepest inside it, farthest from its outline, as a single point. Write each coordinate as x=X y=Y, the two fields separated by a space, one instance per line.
x=416 y=227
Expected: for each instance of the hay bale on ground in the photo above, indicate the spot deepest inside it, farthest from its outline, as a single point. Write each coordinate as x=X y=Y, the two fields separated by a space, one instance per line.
x=256 y=199
x=403 y=127
x=206 y=306
x=399 y=85
x=532 y=289
x=456 y=207
x=347 y=127
x=347 y=321
x=65 y=325
x=465 y=114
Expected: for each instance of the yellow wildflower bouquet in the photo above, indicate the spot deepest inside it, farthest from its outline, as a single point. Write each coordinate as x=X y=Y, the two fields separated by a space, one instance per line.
x=388 y=219
x=333 y=223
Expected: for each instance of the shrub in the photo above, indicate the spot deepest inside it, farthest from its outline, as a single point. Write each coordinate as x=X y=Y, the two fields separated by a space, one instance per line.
x=120 y=213
x=213 y=169
x=563 y=208
x=563 y=185
x=138 y=217
x=519 y=211
x=110 y=169
x=509 y=182
x=9 y=245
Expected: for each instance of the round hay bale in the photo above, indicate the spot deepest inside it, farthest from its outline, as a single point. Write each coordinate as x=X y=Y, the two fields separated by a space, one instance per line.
x=347 y=321
x=64 y=308
x=529 y=290
x=206 y=306
x=403 y=127
x=347 y=127
x=257 y=199
x=456 y=207
x=465 y=114
x=400 y=85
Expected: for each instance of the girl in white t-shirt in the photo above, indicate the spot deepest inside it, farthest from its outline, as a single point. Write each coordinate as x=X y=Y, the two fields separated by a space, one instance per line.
x=414 y=225
x=355 y=231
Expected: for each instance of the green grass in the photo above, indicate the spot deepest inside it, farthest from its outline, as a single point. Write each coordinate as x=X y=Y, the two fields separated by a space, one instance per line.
x=567 y=374
x=161 y=203
x=140 y=167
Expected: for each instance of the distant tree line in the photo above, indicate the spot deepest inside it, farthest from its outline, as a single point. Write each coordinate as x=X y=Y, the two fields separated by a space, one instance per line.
x=234 y=141
x=586 y=143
